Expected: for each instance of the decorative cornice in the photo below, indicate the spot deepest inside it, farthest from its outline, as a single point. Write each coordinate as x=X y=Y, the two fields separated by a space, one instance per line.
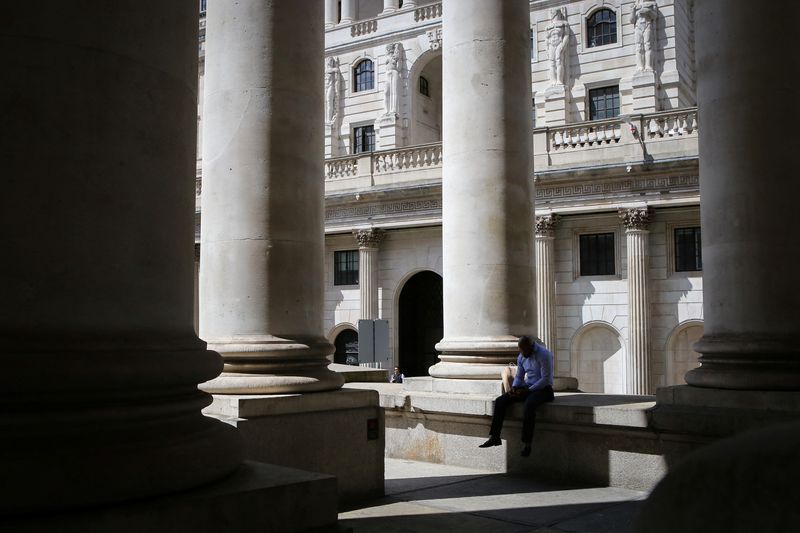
x=636 y=218
x=369 y=238
x=546 y=224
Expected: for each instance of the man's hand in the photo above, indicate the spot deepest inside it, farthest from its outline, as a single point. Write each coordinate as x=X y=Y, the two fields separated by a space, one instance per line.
x=518 y=391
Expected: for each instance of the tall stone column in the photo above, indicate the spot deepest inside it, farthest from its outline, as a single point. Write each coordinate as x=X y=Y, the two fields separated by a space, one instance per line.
x=487 y=187
x=348 y=12
x=390 y=6
x=261 y=273
x=637 y=367
x=368 y=242
x=546 y=280
x=100 y=360
x=331 y=13
x=748 y=200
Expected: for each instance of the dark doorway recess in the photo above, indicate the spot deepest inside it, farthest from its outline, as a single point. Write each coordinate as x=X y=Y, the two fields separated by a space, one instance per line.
x=346 y=348
x=420 y=323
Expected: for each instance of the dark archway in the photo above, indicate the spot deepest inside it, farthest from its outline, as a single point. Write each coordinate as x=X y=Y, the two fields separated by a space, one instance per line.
x=421 y=324
x=346 y=347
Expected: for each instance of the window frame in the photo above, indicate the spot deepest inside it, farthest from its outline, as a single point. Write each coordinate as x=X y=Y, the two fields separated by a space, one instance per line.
x=346 y=277
x=588 y=228
x=356 y=139
x=672 y=248
x=588 y=35
x=355 y=72
x=423 y=83
x=603 y=87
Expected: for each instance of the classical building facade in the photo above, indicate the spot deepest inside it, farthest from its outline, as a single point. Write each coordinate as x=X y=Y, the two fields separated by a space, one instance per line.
x=615 y=174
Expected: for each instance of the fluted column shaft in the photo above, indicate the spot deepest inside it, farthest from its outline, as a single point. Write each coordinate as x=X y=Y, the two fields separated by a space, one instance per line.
x=100 y=361
x=748 y=199
x=348 y=12
x=546 y=280
x=368 y=243
x=261 y=270
x=487 y=192
x=637 y=367
x=331 y=13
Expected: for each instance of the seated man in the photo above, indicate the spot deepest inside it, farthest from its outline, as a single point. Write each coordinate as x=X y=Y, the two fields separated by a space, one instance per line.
x=533 y=384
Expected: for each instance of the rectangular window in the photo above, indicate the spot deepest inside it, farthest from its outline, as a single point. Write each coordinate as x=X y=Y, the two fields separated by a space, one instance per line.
x=203 y=6
x=363 y=139
x=604 y=103
x=345 y=267
x=688 y=252
x=597 y=254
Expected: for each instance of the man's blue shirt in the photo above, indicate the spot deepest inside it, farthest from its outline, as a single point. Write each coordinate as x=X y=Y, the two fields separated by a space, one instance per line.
x=536 y=371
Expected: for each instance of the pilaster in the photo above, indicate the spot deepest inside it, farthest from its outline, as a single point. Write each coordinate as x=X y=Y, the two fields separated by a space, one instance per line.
x=545 y=280
x=368 y=242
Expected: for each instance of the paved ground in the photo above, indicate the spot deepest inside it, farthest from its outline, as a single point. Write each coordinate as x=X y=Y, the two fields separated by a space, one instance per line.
x=432 y=497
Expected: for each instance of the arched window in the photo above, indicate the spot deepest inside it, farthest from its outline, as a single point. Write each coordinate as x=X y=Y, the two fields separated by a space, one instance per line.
x=364 y=78
x=601 y=28
x=423 y=86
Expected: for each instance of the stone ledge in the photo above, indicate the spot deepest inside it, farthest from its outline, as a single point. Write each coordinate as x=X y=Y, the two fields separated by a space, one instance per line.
x=256 y=405
x=475 y=386
x=360 y=374
x=257 y=497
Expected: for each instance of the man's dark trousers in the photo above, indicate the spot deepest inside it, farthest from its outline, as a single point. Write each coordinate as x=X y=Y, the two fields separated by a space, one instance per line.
x=532 y=399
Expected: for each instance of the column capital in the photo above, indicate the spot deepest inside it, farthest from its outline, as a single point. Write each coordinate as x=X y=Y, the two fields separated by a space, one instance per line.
x=636 y=218
x=369 y=238
x=546 y=225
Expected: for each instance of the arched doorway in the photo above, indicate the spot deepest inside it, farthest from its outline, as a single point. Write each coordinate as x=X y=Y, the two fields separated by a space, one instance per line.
x=425 y=85
x=599 y=360
x=346 y=343
x=421 y=324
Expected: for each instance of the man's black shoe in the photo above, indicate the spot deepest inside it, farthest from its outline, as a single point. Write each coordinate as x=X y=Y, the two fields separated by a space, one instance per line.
x=526 y=451
x=493 y=441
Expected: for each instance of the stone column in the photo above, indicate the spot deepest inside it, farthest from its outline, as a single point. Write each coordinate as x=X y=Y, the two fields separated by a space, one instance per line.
x=331 y=13
x=348 y=12
x=390 y=6
x=748 y=200
x=546 y=280
x=368 y=242
x=637 y=367
x=261 y=273
x=100 y=360
x=487 y=187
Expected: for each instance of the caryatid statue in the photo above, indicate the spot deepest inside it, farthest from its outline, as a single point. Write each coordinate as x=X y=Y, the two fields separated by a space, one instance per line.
x=557 y=40
x=331 y=89
x=391 y=90
x=643 y=18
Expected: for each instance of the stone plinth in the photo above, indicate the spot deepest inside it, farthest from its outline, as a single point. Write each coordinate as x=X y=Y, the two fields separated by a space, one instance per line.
x=255 y=498
x=555 y=105
x=389 y=132
x=643 y=86
x=326 y=432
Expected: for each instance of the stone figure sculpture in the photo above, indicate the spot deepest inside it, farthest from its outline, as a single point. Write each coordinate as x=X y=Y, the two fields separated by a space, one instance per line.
x=557 y=39
x=331 y=89
x=643 y=18
x=391 y=90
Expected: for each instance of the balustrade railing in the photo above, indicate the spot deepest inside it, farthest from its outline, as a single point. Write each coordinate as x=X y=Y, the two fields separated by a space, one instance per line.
x=428 y=12
x=341 y=167
x=672 y=123
x=586 y=134
x=420 y=156
x=364 y=27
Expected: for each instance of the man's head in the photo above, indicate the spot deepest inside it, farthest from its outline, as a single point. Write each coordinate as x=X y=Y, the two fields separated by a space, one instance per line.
x=525 y=346
x=397 y=370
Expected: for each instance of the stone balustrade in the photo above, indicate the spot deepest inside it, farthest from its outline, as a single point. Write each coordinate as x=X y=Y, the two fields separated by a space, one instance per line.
x=364 y=27
x=425 y=155
x=586 y=134
x=341 y=167
x=683 y=122
x=428 y=12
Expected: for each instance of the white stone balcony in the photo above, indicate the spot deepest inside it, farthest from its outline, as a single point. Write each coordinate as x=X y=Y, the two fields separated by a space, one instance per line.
x=639 y=140
x=383 y=24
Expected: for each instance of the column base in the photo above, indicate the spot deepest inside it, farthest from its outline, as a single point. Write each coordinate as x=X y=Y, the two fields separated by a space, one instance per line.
x=475 y=358
x=273 y=365
x=746 y=363
x=256 y=497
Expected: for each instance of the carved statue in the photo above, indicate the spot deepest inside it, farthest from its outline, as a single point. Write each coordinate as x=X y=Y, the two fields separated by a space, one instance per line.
x=391 y=91
x=331 y=89
x=557 y=40
x=643 y=18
